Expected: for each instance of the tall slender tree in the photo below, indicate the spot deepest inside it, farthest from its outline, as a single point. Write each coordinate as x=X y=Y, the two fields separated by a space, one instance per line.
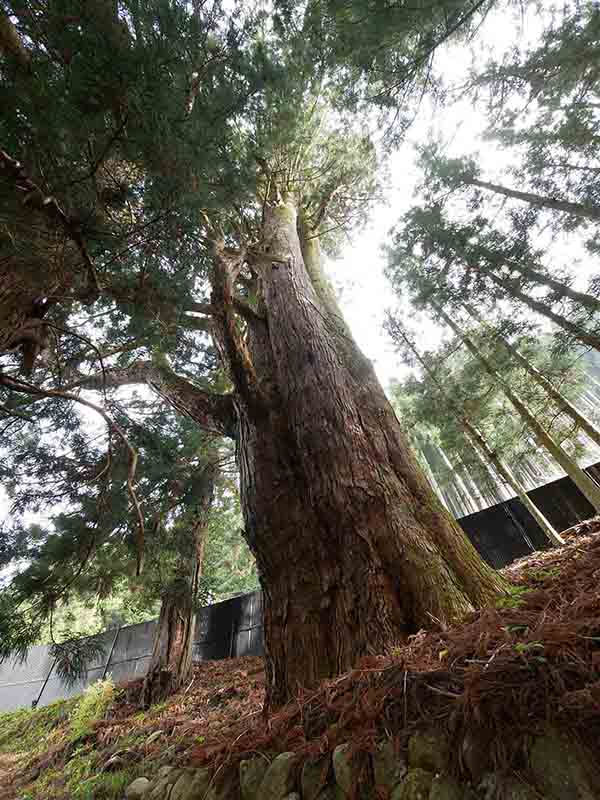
x=563 y=403
x=478 y=441
x=171 y=660
x=455 y=173
x=584 y=483
x=474 y=260
x=88 y=550
x=543 y=103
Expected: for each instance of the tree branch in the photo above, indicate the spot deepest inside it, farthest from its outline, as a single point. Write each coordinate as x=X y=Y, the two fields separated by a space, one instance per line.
x=10 y=42
x=37 y=199
x=29 y=388
x=226 y=265
x=161 y=306
x=213 y=412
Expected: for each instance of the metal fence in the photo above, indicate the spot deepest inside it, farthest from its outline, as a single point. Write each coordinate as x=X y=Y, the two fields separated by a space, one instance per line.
x=223 y=630
x=234 y=627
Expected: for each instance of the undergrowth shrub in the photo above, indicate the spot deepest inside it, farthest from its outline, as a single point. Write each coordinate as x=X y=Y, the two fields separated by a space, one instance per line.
x=93 y=705
x=26 y=730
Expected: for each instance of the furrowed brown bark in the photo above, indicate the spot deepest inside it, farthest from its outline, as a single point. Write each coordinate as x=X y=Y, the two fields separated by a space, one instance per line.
x=171 y=661
x=354 y=550
x=170 y=665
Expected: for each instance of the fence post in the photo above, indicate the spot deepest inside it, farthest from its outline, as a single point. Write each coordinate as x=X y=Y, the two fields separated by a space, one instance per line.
x=251 y=621
x=112 y=650
x=231 y=640
x=34 y=703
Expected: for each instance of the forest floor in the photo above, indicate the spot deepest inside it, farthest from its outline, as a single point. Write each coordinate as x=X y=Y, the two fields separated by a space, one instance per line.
x=533 y=658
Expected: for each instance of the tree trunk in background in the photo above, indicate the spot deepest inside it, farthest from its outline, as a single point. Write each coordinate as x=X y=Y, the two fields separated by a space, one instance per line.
x=577 y=209
x=562 y=402
x=504 y=471
x=584 y=483
x=574 y=330
x=354 y=549
x=171 y=661
x=11 y=44
x=170 y=665
x=560 y=289
x=478 y=442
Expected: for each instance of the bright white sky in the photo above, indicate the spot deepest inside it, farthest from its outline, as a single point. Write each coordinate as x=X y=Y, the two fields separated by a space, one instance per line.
x=365 y=294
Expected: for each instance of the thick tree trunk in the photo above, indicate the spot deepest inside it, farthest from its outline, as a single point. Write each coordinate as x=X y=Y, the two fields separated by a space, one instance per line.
x=354 y=549
x=584 y=483
x=577 y=209
x=171 y=660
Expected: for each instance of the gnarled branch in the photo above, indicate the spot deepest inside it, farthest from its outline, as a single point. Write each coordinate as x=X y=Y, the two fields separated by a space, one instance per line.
x=213 y=412
x=226 y=266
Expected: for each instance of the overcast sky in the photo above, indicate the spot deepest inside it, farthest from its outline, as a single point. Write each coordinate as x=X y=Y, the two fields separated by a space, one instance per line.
x=365 y=293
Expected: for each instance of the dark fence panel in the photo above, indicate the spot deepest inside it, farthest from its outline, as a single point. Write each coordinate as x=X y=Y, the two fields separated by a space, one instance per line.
x=507 y=530
x=234 y=627
x=131 y=652
x=230 y=629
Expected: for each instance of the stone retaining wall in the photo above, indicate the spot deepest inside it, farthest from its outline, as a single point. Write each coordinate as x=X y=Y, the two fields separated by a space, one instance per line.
x=555 y=767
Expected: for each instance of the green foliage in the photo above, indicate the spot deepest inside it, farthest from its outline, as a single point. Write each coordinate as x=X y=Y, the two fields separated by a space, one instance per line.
x=428 y=407
x=92 y=707
x=514 y=597
x=542 y=103
x=80 y=780
x=382 y=53
x=73 y=656
x=27 y=730
x=85 y=782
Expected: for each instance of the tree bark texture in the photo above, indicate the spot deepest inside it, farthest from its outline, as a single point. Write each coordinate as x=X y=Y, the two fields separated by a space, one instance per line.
x=171 y=660
x=354 y=550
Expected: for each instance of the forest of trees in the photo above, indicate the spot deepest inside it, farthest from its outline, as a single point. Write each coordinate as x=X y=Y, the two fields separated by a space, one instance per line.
x=184 y=411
